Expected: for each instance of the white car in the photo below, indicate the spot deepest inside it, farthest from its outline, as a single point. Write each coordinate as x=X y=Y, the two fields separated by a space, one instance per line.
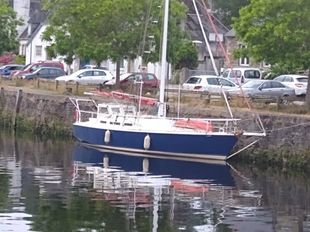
x=242 y=74
x=88 y=76
x=208 y=83
x=298 y=82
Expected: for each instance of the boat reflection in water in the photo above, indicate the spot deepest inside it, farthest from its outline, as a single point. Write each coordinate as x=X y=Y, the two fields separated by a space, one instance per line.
x=189 y=191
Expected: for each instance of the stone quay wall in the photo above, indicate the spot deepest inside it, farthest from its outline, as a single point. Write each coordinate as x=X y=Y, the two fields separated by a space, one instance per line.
x=288 y=136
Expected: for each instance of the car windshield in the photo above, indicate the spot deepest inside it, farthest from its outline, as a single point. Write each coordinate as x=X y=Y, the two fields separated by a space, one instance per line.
x=26 y=67
x=303 y=79
x=252 y=84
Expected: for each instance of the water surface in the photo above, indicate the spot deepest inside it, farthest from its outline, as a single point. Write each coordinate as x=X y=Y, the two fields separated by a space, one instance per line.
x=57 y=185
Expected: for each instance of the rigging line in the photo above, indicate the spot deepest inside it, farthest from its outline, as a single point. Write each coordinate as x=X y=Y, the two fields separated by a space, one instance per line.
x=148 y=13
x=229 y=61
x=288 y=127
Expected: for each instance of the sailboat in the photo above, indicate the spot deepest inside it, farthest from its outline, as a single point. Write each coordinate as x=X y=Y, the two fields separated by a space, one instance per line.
x=123 y=128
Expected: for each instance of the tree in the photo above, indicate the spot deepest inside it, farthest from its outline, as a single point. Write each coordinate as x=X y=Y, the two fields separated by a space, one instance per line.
x=110 y=29
x=225 y=10
x=186 y=56
x=8 y=24
x=277 y=31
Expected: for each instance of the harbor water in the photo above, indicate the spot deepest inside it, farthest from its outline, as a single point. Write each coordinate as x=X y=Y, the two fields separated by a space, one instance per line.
x=58 y=185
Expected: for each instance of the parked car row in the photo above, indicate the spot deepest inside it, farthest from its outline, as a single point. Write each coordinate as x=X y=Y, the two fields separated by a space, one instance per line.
x=230 y=80
x=7 y=70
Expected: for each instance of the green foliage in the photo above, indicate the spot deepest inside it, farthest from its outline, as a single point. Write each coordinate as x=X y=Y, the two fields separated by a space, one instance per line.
x=8 y=24
x=20 y=59
x=115 y=29
x=276 y=31
x=186 y=55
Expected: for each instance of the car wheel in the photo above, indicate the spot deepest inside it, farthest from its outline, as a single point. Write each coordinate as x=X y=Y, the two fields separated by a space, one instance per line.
x=285 y=100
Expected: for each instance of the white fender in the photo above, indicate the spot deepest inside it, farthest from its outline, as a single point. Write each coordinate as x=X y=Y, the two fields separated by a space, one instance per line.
x=105 y=161
x=147 y=142
x=107 y=136
x=145 y=165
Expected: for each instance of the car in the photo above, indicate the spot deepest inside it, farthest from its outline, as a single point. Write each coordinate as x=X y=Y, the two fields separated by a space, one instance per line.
x=208 y=83
x=87 y=76
x=149 y=80
x=298 y=82
x=34 y=66
x=44 y=72
x=91 y=66
x=6 y=70
x=265 y=89
x=242 y=74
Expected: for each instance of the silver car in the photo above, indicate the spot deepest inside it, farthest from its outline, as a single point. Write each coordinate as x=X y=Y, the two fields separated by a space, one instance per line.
x=264 y=89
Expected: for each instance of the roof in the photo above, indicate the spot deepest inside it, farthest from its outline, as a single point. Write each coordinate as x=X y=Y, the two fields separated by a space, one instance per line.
x=36 y=22
x=192 y=23
x=231 y=33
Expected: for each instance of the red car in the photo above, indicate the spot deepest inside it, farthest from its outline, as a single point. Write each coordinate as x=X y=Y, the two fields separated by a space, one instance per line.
x=34 y=66
x=150 y=80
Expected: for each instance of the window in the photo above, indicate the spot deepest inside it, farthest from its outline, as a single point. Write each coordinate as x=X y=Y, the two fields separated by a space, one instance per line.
x=302 y=79
x=235 y=73
x=87 y=73
x=226 y=83
x=38 y=50
x=138 y=77
x=43 y=72
x=244 y=61
x=225 y=74
x=54 y=71
x=280 y=78
x=212 y=81
x=252 y=74
x=276 y=85
x=149 y=77
x=193 y=80
x=214 y=37
x=266 y=85
x=288 y=79
x=99 y=73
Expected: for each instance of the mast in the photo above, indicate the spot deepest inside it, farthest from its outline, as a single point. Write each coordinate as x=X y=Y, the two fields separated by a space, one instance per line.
x=163 y=72
x=206 y=40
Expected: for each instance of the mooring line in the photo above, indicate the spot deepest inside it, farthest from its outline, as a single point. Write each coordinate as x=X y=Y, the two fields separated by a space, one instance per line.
x=288 y=127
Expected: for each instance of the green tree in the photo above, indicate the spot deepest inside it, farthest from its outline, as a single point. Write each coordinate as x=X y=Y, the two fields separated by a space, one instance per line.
x=111 y=29
x=186 y=55
x=277 y=31
x=8 y=24
x=225 y=10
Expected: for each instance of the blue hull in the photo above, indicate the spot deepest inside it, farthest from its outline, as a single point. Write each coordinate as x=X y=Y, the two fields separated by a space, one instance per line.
x=190 y=146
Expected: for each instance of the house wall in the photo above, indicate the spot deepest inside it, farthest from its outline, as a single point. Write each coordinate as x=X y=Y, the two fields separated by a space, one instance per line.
x=32 y=54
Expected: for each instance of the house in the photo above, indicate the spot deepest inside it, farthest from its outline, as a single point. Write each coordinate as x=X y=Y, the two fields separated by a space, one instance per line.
x=34 y=48
x=246 y=61
x=214 y=38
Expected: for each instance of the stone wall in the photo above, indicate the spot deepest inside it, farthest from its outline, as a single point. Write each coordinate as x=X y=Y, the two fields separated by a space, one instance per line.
x=287 y=137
